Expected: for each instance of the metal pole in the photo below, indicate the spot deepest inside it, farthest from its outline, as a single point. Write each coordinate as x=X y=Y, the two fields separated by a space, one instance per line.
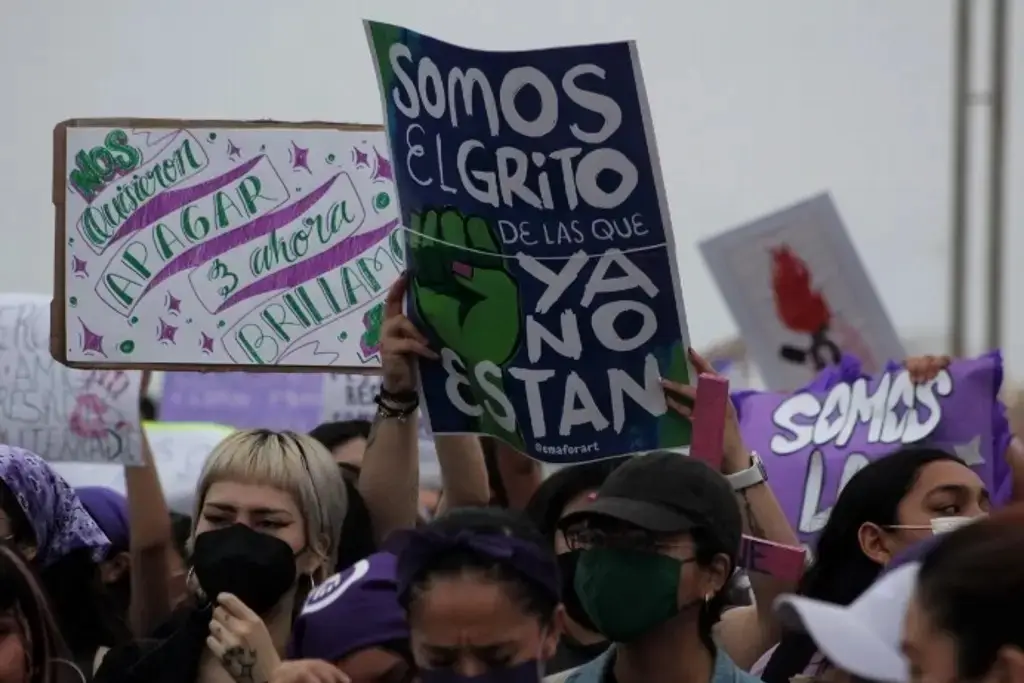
x=997 y=171
x=959 y=193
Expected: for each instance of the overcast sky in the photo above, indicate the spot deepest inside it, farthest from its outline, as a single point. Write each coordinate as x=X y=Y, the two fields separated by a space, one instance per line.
x=756 y=104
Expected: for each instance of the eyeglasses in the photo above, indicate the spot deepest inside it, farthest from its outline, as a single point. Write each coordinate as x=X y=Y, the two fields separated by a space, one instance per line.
x=582 y=538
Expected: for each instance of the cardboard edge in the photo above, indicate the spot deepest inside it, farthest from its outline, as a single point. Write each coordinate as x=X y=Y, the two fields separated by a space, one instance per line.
x=58 y=308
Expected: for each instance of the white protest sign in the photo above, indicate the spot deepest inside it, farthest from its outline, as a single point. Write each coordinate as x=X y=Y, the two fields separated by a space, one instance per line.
x=179 y=451
x=58 y=413
x=800 y=294
x=350 y=397
x=224 y=243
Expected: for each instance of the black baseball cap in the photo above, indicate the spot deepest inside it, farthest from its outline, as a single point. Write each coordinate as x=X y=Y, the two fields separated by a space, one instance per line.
x=669 y=493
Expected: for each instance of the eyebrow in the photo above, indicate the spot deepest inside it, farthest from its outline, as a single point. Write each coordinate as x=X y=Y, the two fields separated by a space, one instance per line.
x=226 y=507
x=956 y=489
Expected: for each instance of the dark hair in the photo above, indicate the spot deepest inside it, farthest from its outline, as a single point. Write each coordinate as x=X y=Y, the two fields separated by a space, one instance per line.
x=972 y=586
x=357 y=538
x=707 y=545
x=20 y=588
x=334 y=434
x=841 y=571
x=528 y=593
x=85 y=611
x=549 y=500
x=148 y=409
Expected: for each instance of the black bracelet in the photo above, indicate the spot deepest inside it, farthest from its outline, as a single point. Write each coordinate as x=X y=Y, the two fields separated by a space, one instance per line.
x=399 y=397
x=387 y=409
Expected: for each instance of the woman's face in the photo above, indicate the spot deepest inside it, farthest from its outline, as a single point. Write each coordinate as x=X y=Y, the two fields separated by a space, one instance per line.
x=13 y=658
x=262 y=508
x=472 y=624
x=375 y=665
x=944 y=488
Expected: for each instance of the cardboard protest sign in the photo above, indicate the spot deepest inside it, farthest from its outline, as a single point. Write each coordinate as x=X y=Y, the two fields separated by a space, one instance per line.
x=222 y=243
x=800 y=294
x=265 y=400
x=179 y=452
x=542 y=254
x=58 y=413
x=813 y=441
x=350 y=397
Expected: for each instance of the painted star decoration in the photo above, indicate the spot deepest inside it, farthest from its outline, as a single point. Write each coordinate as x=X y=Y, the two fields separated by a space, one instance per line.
x=384 y=170
x=78 y=267
x=970 y=452
x=206 y=343
x=91 y=342
x=361 y=158
x=166 y=333
x=233 y=151
x=300 y=158
x=173 y=304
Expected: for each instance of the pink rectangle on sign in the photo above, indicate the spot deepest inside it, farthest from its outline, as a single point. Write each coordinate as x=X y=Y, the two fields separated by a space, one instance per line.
x=783 y=562
x=709 y=419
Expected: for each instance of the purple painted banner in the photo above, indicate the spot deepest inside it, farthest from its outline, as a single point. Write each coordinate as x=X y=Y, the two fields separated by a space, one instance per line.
x=244 y=400
x=812 y=441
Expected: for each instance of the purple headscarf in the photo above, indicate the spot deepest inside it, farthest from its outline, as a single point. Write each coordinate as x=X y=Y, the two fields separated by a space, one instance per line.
x=109 y=509
x=350 y=611
x=58 y=520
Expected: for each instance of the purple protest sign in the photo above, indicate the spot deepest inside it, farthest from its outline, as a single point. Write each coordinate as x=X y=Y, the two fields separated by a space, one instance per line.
x=244 y=400
x=812 y=441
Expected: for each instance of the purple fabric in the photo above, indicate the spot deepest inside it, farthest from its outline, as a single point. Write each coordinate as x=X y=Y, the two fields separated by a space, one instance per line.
x=59 y=521
x=244 y=400
x=110 y=510
x=352 y=610
x=419 y=547
x=806 y=466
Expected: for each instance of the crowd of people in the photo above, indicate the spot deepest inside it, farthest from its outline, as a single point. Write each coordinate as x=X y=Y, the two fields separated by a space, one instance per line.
x=312 y=559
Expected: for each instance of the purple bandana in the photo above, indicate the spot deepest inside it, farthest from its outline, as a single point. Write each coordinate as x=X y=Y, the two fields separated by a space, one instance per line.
x=350 y=611
x=110 y=511
x=59 y=521
x=813 y=440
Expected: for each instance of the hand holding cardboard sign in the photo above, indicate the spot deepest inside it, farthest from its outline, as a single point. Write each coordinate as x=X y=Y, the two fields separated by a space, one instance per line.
x=400 y=343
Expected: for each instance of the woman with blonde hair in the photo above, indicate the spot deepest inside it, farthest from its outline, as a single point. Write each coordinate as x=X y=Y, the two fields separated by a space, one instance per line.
x=269 y=508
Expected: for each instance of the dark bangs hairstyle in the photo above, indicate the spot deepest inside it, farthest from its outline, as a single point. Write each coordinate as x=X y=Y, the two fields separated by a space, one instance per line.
x=549 y=500
x=841 y=571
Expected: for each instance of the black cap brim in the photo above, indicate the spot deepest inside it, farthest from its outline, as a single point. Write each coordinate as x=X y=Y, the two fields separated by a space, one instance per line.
x=647 y=516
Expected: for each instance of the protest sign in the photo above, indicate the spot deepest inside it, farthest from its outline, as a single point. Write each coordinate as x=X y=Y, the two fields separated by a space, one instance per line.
x=266 y=400
x=58 y=413
x=179 y=452
x=812 y=442
x=542 y=255
x=350 y=397
x=222 y=244
x=800 y=294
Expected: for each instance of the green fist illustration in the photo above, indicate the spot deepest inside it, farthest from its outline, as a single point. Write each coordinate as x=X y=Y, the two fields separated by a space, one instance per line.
x=465 y=295
x=462 y=288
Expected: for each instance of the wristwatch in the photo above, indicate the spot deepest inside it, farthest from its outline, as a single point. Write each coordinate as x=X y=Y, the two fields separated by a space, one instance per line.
x=752 y=476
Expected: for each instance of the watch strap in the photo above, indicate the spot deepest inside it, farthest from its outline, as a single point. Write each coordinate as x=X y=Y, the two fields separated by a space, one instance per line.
x=752 y=476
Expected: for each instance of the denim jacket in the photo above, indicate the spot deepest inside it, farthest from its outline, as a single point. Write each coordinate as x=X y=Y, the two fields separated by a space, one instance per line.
x=595 y=671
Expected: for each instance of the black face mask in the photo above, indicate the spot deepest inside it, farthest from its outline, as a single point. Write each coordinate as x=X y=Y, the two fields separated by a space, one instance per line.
x=256 y=568
x=573 y=606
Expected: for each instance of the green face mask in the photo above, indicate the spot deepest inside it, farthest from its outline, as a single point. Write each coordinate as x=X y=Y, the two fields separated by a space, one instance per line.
x=627 y=592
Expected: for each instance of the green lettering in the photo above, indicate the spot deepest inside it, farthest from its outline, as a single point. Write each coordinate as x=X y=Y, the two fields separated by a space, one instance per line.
x=350 y=284
x=325 y=287
x=249 y=192
x=91 y=227
x=304 y=297
x=118 y=286
x=276 y=325
x=293 y=305
x=126 y=157
x=85 y=178
x=252 y=348
x=186 y=150
x=172 y=172
x=136 y=263
x=195 y=230
x=371 y=281
x=221 y=202
x=163 y=238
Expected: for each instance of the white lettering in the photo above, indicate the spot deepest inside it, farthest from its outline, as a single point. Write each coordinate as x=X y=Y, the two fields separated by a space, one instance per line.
x=648 y=396
x=607 y=107
x=456 y=372
x=586 y=412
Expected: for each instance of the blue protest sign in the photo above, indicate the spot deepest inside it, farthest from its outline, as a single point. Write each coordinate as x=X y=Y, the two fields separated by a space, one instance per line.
x=543 y=262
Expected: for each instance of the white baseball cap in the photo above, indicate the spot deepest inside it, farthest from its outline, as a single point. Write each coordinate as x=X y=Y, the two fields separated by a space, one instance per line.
x=864 y=638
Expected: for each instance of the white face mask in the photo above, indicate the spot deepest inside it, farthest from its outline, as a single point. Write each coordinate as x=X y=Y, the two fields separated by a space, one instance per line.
x=943 y=525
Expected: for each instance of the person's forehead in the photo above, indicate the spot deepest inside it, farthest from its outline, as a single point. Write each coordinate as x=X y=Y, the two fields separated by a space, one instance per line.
x=949 y=473
x=249 y=496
